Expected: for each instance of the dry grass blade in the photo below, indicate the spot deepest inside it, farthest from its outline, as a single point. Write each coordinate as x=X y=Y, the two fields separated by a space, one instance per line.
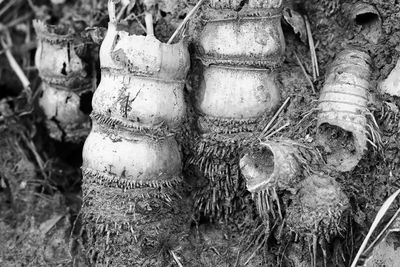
x=176 y=259
x=254 y=253
x=385 y=207
x=314 y=59
x=278 y=130
x=46 y=226
x=273 y=128
x=187 y=18
x=274 y=117
x=305 y=72
x=395 y=216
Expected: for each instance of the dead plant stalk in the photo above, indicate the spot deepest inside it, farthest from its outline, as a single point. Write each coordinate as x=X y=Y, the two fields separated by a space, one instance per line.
x=314 y=59
x=305 y=72
x=16 y=68
x=385 y=207
x=274 y=117
x=187 y=18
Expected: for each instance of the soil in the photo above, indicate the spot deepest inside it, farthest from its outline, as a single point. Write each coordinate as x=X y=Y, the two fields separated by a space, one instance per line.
x=339 y=145
x=40 y=179
x=337 y=139
x=263 y=161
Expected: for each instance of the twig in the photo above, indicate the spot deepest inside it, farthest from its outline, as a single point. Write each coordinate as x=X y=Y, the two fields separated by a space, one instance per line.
x=314 y=49
x=278 y=130
x=38 y=158
x=254 y=253
x=138 y=21
x=305 y=72
x=274 y=117
x=149 y=24
x=10 y=4
x=187 y=18
x=314 y=59
x=17 y=69
x=18 y=20
x=273 y=127
x=176 y=259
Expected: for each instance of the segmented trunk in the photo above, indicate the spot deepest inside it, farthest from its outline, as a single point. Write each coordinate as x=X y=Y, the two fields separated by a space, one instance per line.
x=133 y=210
x=273 y=166
x=342 y=119
x=240 y=46
x=66 y=82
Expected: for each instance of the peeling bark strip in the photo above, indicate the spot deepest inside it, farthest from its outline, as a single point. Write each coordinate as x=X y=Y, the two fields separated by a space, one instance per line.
x=65 y=79
x=343 y=126
x=111 y=180
x=156 y=132
x=241 y=46
x=230 y=126
x=134 y=212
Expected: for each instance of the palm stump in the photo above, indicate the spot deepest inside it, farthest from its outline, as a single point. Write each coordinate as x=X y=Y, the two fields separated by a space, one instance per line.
x=133 y=204
x=241 y=47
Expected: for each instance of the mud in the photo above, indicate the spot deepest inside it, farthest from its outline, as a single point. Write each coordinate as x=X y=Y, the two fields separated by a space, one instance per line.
x=338 y=144
x=34 y=228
